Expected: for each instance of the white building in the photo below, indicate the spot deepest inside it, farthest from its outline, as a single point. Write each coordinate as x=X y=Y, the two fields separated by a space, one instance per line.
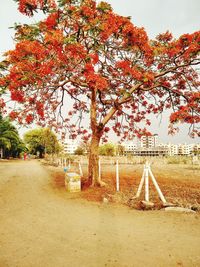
x=148 y=146
x=129 y=147
x=185 y=149
x=70 y=146
x=149 y=141
x=181 y=149
x=171 y=148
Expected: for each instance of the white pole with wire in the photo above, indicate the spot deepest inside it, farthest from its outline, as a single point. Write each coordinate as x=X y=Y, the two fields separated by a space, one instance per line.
x=146 y=177
x=99 y=169
x=80 y=169
x=157 y=186
x=117 y=176
x=140 y=185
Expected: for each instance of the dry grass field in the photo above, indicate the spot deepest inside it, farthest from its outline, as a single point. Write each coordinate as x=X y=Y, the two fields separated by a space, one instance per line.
x=180 y=183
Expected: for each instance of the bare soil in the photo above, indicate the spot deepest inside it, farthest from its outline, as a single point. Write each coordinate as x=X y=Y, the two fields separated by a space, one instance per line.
x=180 y=184
x=43 y=225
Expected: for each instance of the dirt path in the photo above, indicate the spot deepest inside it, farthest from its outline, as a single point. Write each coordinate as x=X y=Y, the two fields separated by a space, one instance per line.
x=39 y=228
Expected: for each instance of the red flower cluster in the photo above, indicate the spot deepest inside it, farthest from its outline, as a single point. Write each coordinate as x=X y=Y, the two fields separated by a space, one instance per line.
x=28 y=6
x=184 y=115
x=17 y=96
x=81 y=45
x=127 y=69
x=40 y=109
x=29 y=118
x=51 y=20
x=2 y=103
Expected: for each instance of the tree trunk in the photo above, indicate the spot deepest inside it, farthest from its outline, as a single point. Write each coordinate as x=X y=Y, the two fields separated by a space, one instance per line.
x=97 y=130
x=94 y=178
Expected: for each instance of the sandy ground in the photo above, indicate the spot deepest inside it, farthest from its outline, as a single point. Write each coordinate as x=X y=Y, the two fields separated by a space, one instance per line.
x=43 y=226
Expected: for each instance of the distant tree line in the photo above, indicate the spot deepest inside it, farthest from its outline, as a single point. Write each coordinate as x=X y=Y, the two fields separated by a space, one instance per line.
x=107 y=149
x=41 y=141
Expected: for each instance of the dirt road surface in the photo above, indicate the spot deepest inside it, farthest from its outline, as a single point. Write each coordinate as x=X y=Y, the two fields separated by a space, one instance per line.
x=43 y=227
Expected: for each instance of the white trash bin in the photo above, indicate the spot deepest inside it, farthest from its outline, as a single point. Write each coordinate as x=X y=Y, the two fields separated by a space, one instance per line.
x=73 y=182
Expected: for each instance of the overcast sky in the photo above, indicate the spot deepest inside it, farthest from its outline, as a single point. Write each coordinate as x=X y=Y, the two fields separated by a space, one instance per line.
x=156 y=16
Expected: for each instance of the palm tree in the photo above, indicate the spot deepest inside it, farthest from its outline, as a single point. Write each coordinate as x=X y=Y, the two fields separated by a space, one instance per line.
x=10 y=142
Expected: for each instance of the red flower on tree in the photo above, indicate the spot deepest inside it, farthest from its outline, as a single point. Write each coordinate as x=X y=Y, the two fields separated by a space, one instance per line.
x=106 y=65
x=29 y=118
x=13 y=115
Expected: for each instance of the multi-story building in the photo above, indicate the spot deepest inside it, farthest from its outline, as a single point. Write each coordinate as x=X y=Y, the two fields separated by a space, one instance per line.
x=70 y=146
x=151 y=151
x=185 y=149
x=149 y=141
x=172 y=149
x=148 y=146
x=129 y=147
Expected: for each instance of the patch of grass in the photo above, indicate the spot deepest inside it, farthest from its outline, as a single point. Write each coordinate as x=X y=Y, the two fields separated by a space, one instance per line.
x=178 y=160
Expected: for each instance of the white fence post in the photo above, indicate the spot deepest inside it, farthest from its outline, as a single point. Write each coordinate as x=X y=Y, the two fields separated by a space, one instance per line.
x=146 y=183
x=140 y=185
x=99 y=169
x=157 y=186
x=80 y=169
x=117 y=176
x=145 y=179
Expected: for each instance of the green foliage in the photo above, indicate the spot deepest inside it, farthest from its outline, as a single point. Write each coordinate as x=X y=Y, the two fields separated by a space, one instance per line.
x=196 y=151
x=178 y=160
x=107 y=150
x=10 y=141
x=120 y=150
x=42 y=141
x=79 y=151
x=103 y=6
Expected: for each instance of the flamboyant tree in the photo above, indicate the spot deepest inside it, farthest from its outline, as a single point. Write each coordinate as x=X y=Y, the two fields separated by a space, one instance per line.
x=106 y=65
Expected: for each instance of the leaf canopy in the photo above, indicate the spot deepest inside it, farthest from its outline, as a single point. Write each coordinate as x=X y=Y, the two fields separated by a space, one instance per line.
x=106 y=65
